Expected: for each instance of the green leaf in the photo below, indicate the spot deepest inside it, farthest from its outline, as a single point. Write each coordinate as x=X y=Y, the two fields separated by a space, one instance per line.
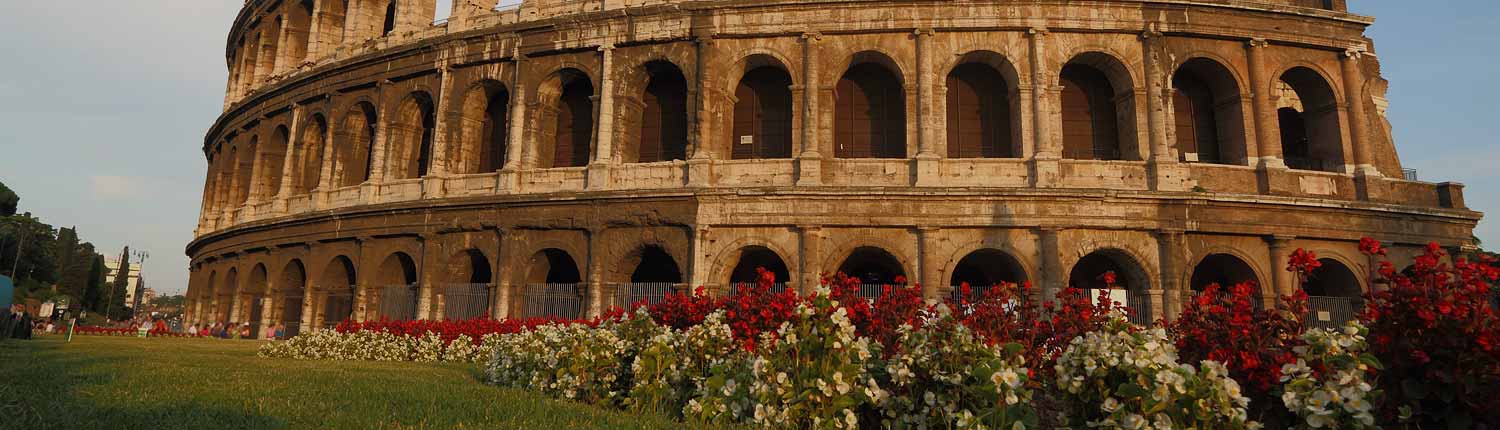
x=1130 y=389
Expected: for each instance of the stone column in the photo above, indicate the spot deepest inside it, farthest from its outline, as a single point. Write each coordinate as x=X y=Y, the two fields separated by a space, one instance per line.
x=503 y=289
x=1284 y=282
x=1052 y=269
x=433 y=185
x=697 y=261
x=310 y=295
x=933 y=289
x=236 y=303
x=811 y=237
x=1354 y=96
x=928 y=159
x=279 y=61
x=1172 y=247
x=379 y=153
x=265 y=311
x=265 y=62
x=1045 y=168
x=700 y=162
x=1267 y=131
x=1166 y=173
x=809 y=161
x=516 y=141
x=426 y=277
x=595 y=278
x=598 y=170
x=291 y=160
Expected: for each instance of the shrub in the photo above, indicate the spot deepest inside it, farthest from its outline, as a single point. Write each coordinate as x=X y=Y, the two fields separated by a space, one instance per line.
x=1254 y=344
x=1122 y=378
x=812 y=374
x=945 y=376
x=1327 y=387
x=1439 y=340
x=672 y=364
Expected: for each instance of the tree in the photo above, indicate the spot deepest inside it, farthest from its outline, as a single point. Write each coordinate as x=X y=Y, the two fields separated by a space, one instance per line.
x=93 y=295
x=65 y=249
x=8 y=201
x=33 y=240
x=116 y=308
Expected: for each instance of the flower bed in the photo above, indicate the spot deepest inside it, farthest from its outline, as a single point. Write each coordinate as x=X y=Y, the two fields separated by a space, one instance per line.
x=1428 y=359
x=127 y=331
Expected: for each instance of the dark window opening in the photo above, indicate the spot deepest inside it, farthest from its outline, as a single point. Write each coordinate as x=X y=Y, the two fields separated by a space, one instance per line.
x=978 y=113
x=1222 y=269
x=656 y=266
x=869 y=114
x=872 y=266
x=987 y=268
x=763 y=115
x=756 y=257
x=664 y=116
x=575 y=124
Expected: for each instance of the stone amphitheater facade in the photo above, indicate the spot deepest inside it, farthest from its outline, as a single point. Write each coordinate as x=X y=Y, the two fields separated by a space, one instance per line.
x=558 y=157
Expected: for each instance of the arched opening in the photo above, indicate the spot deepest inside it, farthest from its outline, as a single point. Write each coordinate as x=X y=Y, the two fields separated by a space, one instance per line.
x=656 y=266
x=1207 y=113
x=553 y=288
x=396 y=280
x=1333 y=294
x=353 y=146
x=272 y=158
x=873 y=266
x=1129 y=288
x=330 y=27
x=253 y=299
x=987 y=268
x=485 y=128
x=869 y=119
x=299 y=22
x=310 y=154
x=244 y=169
x=1308 y=112
x=412 y=134
x=663 y=132
x=389 y=24
x=1098 y=109
x=335 y=292
x=1223 y=269
x=756 y=257
x=569 y=101
x=762 y=114
x=292 y=288
x=225 y=295
x=468 y=295
x=269 y=39
x=979 y=118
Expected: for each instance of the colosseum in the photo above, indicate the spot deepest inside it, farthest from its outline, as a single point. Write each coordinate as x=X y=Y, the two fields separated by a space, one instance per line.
x=558 y=157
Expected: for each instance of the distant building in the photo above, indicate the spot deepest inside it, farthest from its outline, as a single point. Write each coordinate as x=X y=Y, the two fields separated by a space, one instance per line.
x=132 y=284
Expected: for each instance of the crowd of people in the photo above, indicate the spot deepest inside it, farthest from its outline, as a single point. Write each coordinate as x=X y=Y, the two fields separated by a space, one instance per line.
x=236 y=331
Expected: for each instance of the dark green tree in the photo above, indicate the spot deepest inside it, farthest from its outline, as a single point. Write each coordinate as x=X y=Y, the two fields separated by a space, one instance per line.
x=117 y=298
x=8 y=201
x=33 y=240
x=65 y=252
x=93 y=295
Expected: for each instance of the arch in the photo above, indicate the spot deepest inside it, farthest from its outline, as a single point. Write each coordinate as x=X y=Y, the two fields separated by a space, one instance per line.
x=663 y=115
x=762 y=115
x=1333 y=279
x=873 y=265
x=330 y=27
x=554 y=286
x=470 y=266
x=654 y=265
x=396 y=281
x=987 y=267
x=1087 y=272
x=755 y=257
x=309 y=154
x=298 y=23
x=1098 y=108
x=1226 y=270
x=567 y=119
x=1308 y=113
x=253 y=296
x=870 y=109
x=244 y=168
x=335 y=292
x=979 y=107
x=553 y=266
x=272 y=158
x=1208 y=114
x=484 y=128
x=229 y=291
x=354 y=145
x=291 y=290
x=409 y=152
x=389 y=24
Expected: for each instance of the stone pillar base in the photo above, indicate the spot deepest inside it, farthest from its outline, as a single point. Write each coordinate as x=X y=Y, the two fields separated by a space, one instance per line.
x=809 y=170
x=508 y=181
x=1045 y=172
x=1168 y=176
x=434 y=187
x=700 y=172
x=928 y=170
x=598 y=177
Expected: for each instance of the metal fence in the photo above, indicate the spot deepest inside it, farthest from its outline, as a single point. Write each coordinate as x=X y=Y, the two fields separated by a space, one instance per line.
x=465 y=301
x=649 y=293
x=291 y=315
x=398 y=302
x=337 y=307
x=554 y=300
x=1140 y=307
x=776 y=288
x=1330 y=312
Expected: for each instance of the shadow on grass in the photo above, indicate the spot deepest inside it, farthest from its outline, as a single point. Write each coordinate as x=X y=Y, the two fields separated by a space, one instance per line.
x=46 y=387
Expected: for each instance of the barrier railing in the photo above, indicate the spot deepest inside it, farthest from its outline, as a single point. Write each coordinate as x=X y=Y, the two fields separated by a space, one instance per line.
x=1330 y=312
x=465 y=301
x=649 y=292
x=398 y=302
x=554 y=300
x=776 y=288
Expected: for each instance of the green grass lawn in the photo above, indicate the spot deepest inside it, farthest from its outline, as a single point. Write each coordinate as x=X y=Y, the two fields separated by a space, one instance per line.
x=99 y=382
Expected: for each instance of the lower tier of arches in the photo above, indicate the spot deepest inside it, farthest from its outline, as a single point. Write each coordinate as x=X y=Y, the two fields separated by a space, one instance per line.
x=576 y=257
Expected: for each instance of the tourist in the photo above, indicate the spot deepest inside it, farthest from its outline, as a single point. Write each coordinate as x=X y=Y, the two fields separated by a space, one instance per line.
x=280 y=331
x=245 y=332
x=192 y=330
x=269 y=332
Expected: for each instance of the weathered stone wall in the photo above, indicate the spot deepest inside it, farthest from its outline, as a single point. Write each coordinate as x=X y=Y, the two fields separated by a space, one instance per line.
x=288 y=209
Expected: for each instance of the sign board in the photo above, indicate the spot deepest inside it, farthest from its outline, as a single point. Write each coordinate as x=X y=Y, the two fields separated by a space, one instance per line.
x=746 y=140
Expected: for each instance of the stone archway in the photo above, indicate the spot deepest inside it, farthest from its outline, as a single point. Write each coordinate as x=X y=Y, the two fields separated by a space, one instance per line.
x=554 y=286
x=1131 y=285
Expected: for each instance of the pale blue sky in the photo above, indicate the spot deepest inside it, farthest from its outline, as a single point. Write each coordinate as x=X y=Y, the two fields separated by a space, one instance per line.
x=103 y=106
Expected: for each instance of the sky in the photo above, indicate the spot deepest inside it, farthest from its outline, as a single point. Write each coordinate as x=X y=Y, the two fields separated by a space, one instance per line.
x=104 y=104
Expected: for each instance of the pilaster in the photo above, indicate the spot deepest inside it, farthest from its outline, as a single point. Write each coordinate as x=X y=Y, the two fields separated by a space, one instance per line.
x=809 y=168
